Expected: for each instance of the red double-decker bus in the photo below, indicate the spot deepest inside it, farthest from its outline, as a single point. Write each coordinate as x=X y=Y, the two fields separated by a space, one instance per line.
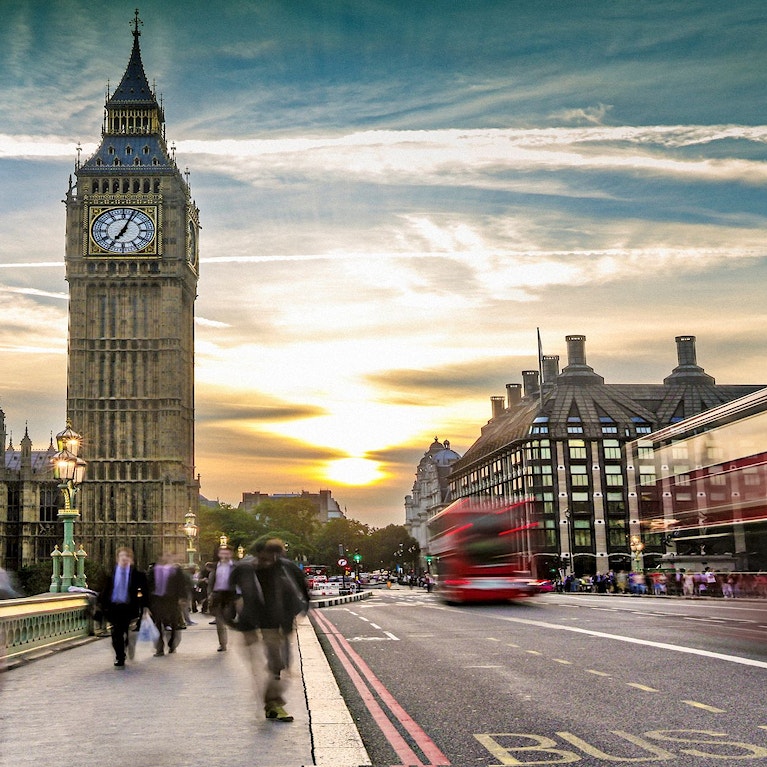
x=483 y=551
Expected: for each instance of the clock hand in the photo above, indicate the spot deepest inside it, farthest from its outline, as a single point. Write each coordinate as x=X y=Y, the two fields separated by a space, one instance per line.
x=125 y=228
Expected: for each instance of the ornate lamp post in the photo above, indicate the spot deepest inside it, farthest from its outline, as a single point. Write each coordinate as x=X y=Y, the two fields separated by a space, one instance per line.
x=70 y=470
x=190 y=531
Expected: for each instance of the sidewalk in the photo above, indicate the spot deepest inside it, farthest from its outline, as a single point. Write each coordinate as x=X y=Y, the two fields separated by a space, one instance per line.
x=195 y=707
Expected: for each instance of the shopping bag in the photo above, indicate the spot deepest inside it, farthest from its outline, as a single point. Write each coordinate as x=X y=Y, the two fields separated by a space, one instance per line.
x=147 y=632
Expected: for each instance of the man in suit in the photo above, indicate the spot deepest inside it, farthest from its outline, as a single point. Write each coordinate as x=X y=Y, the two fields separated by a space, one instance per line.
x=122 y=600
x=221 y=594
x=167 y=590
x=273 y=593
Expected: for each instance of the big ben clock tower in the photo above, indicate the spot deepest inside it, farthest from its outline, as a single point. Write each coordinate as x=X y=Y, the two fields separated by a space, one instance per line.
x=131 y=265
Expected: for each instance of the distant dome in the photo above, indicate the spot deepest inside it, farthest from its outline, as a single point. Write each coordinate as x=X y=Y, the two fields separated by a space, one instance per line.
x=441 y=454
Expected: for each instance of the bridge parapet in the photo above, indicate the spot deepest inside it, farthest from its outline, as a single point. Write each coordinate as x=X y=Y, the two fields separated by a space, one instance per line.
x=32 y=624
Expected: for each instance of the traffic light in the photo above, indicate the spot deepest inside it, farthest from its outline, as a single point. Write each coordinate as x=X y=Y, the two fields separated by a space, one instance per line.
x=428 y=560
x=357 y=556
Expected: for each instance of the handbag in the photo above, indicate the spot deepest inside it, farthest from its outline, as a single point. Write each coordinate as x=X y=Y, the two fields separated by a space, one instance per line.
x=147 y=631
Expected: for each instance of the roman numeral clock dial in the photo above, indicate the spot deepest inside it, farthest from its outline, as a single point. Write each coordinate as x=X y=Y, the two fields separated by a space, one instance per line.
x=123 y=230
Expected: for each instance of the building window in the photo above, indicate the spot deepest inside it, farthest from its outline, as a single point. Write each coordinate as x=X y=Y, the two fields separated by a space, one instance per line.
x=614 y=476
x=612 y=449
x=582 y=533
x=616 y=533
x=615 y=505
x=580 y=503
x=579 y=476
x=577 y=449
x=608 y=425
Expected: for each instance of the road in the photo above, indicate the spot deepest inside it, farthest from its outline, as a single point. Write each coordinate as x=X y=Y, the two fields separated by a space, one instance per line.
x=561 y=679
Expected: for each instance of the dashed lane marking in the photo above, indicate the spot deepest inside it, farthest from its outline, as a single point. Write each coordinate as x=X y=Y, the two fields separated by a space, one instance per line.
x=642 y=687
x=703 y=706
x=597 y=673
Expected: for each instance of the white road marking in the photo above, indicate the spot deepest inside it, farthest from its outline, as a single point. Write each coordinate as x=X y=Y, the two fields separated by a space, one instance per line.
x=634 y=640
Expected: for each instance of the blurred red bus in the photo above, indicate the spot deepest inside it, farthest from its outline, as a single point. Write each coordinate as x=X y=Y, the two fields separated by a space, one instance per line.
x=483 y=551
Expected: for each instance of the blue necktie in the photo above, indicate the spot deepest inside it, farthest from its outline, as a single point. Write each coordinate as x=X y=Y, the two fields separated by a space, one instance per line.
x=121 y=586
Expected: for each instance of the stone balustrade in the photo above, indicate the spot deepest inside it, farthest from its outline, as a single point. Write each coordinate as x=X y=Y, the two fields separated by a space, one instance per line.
x=35 y=624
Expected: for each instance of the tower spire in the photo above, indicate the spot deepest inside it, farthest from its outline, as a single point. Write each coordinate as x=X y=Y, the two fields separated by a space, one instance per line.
x=136 y=22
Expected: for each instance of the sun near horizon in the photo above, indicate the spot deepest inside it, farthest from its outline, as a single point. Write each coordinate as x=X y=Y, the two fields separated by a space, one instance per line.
x=354 y=471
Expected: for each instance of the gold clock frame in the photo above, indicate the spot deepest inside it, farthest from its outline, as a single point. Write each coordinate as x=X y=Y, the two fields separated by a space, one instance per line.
x=102 y=203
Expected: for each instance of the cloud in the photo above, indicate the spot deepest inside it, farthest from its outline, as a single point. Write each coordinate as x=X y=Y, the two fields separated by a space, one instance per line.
x=582 y=115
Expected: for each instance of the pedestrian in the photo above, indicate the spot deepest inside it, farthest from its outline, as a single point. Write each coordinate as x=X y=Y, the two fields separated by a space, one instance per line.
x=8 y=589
x=202 y=587
x=167 y=590
x=273 y=593
x=121 y=602
x=221 y=595
x=188 y=602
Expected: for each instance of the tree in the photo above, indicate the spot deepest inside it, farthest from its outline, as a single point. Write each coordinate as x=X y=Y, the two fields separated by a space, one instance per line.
x=296 y=515
x=240 y=527
x=392 y=545
x=348 y=533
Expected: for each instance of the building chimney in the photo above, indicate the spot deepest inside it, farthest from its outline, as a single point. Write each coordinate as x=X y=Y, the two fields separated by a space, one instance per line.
x=685 y=350
x=576 y=350
x=688 y=370
x=550 y=368
x=513 y=394
x=530 y=384
x=497 y=404
x=577 y=371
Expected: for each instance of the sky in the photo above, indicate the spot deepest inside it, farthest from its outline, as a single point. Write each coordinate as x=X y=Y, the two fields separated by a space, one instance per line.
x=394 y=195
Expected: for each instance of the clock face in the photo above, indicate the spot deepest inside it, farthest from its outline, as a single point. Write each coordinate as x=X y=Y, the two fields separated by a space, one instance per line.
x=123 y=230
x=192 y=244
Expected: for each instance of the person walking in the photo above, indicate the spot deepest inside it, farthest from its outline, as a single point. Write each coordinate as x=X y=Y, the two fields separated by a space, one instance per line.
x=167 y=590
x=273 y=593
x=121 y=601
x=221 y=595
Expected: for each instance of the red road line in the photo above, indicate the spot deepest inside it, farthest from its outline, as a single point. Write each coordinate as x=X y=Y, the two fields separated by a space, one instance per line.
x=422 y=740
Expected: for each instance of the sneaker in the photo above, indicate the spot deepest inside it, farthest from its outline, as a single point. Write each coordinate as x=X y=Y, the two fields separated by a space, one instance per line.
x=222 y=649
x=159 y=653
x=119 y=664
x=278 y=713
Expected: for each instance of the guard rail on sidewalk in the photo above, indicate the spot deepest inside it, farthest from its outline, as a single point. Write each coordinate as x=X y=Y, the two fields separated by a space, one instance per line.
x=31 y=624
x=340 y=600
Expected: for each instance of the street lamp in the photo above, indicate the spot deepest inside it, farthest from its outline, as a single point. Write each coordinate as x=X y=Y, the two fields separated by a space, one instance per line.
x=69 y=469
x=570 y=554
x=190 y=531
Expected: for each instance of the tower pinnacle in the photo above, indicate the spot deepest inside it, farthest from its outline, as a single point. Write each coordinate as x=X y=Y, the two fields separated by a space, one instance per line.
x=136 y=22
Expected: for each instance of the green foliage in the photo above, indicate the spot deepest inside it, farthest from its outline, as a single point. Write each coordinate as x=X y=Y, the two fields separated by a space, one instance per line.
x=36 y=578
x=294 y=520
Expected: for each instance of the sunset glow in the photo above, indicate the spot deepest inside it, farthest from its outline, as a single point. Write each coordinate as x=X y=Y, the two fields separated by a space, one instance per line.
x=386 y=222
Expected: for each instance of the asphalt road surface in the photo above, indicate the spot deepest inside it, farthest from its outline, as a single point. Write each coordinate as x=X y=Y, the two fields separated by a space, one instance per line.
x=559 y=679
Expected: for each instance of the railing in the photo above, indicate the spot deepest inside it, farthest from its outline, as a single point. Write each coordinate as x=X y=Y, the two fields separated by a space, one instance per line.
x=32 y=624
